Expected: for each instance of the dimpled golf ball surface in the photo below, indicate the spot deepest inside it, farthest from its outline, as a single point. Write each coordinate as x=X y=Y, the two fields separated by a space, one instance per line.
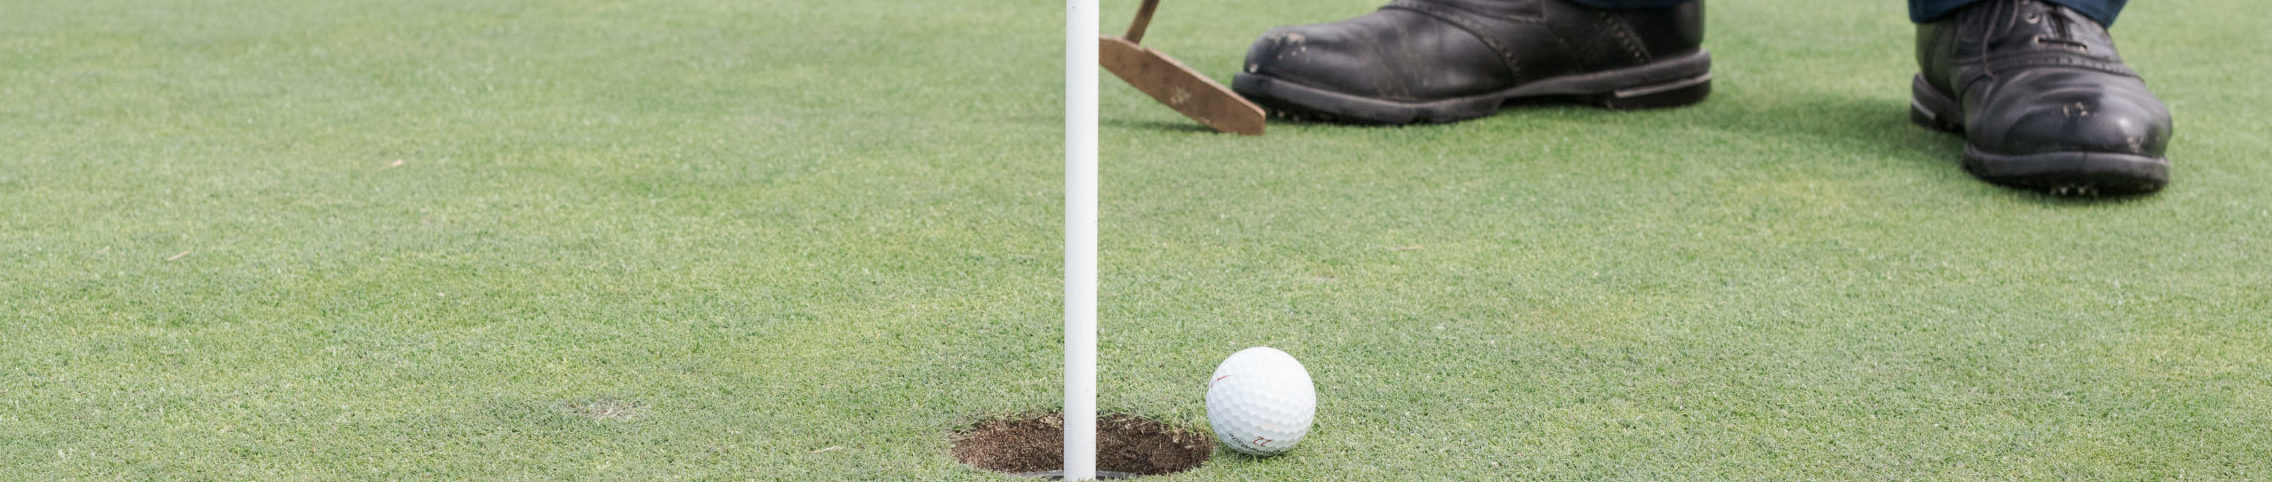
x=1260 y=401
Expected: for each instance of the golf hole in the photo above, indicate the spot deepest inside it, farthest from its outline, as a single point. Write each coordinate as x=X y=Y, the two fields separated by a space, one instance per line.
x=1127 y=446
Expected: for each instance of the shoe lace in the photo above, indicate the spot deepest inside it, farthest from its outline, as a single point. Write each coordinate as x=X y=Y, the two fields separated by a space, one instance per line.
x=2062 y=31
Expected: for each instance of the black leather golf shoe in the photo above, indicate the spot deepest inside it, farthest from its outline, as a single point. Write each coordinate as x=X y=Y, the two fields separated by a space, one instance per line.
x=2042 y=99
x=1450 y=60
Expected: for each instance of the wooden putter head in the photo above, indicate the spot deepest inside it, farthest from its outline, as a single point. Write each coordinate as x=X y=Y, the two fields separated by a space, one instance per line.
x=1171 y=83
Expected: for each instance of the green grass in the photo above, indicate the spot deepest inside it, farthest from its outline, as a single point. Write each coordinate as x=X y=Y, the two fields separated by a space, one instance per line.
x=416 y=239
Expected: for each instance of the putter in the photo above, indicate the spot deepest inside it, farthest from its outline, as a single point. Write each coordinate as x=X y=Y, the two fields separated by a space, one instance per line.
x=1171 y=83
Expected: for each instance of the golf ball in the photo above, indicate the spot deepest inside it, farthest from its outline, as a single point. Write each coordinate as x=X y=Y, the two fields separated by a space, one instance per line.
x=1260 y=401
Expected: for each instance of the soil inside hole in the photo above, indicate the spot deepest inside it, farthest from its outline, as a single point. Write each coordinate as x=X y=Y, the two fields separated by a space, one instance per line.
x=1035 y=444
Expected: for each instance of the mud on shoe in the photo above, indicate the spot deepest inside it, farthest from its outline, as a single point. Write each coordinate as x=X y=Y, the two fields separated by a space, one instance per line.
x=1450 y=60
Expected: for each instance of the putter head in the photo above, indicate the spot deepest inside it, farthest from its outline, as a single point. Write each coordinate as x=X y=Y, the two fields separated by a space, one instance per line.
x=1182 y=89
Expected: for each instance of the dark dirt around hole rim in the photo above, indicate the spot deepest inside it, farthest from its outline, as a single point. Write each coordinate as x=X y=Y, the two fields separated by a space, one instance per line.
x=1125 y=443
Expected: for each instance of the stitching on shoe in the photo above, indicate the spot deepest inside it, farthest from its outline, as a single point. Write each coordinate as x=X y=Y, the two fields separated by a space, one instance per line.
x=1415 y=4
x=1995 y=57
x=1985 y=70
x=1506 y=56
x=2040 y=58
x=1625 y=36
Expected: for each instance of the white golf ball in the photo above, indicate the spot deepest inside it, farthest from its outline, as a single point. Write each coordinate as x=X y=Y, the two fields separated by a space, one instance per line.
x=1260 y=401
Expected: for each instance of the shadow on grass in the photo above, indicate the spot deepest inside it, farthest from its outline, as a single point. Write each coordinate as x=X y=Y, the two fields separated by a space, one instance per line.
x=1886 y=127
x=1855 y=123
x=1800 y=118
x=1189 y=127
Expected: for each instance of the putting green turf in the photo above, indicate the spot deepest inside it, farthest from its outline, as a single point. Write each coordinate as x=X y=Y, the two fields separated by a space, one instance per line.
x=716 y=239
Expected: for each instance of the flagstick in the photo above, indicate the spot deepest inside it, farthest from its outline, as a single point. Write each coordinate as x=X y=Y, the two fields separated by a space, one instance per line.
x=1081 y=24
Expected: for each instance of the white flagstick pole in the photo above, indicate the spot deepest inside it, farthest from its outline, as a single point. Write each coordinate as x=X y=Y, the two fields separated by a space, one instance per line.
x=1081 y=25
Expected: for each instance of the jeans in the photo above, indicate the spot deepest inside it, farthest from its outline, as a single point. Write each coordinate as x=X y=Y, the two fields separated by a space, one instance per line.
x=1920 y=11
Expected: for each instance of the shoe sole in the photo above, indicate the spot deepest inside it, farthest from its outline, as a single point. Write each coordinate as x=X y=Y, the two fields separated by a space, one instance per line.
x=1671 y=82
x=2058 y=173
